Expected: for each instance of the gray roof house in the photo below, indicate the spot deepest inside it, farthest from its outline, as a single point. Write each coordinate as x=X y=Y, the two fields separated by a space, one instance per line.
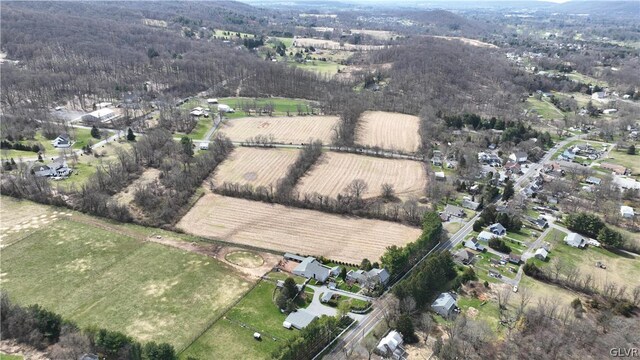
x=57 y=168
x=541 y=254
x=444 y=305
x=62 y=141
x=592 y=180
x=498 y=229
x=473 y=244
x=464 y=256
x=369 y=278
x=454 y=211
x=468 y=204
x=299 y=319
x=311 y=268
x=575 y=240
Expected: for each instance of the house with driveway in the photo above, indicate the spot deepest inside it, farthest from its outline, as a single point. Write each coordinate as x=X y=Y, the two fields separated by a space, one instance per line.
x=63 y=141
x=311 y=268
x=497 y=229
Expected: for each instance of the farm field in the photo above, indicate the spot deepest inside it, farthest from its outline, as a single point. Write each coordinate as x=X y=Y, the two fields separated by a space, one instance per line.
x=258 y=313
x=285 y=229
x=113 y=279
x=334 y=171
x=387 y=130
x=467 y=41
x=254 y=166
x=281 y=106
x=544 y=108
x=330 y=44
x=294 y=129
x=377 y=34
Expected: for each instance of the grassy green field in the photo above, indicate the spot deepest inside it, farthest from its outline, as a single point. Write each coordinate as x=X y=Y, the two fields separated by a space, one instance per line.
x=320 y=67
x=622 y=158
x=219 y=33
x=10 y=357
x=95 y=276
x=281 y=105
x=229 y=339
x=544 y=108
x=81 y=137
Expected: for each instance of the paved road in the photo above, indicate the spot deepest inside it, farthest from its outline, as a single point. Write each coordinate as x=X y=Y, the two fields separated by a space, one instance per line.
x=359 y=331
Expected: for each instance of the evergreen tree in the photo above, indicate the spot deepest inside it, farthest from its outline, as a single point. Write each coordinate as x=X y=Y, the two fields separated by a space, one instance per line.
x=130 y=135
x=95 y=132
x=508 y=191
x=631 y=150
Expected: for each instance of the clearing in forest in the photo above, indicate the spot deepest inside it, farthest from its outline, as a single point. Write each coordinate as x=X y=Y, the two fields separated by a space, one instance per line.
x=392 y=131
x=255 y=166
x=287 y=130
x=286 y=229
x=97 y=273
x=334 y=171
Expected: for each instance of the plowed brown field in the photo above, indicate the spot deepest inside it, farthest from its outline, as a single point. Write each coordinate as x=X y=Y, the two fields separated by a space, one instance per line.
x=292 y=129
x=285 y=229
x=392 y=131
x=334 y=171
x=258 y=167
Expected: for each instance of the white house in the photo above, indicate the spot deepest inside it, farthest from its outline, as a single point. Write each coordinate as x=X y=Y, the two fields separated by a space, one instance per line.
x=391 y=345
x=519 y=157
x=444 y=305
x=439 y=175
x=541 y=254
x=100 y=115
x=311 y=268
x=62 y=141
x=225 y=108
x=485 y=236
x=212 y=101
x=575 y=240
x=627 y=212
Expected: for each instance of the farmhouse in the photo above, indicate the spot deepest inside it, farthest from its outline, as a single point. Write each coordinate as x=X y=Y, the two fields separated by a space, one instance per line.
x=519 y=157
x=575 y=240
x=299 y=319
x=390 y=346
x=444 y=305
x=101 y=115
x=62 y=141
x=541 y=254
x=311 y=268
x=498 y=229
x=454 y=211
x=627 y=212
x=56 y=168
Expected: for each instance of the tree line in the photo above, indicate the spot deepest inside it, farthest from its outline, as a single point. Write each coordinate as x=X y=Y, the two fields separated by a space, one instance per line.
x=312 y=339
x=592 y=226
x=398 y=260
x=63 y=339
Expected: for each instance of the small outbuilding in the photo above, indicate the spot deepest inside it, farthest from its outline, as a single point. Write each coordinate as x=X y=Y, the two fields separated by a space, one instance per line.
x=627 y=212
x=299 y=319
x=541 y=254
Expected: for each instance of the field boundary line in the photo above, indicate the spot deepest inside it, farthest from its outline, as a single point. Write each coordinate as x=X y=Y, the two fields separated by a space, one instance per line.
x=218 y=317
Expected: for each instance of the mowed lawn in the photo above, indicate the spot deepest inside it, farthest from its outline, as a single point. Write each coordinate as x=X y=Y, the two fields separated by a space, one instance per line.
x=280 y=105
x=229 y=339
x=96 y=277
